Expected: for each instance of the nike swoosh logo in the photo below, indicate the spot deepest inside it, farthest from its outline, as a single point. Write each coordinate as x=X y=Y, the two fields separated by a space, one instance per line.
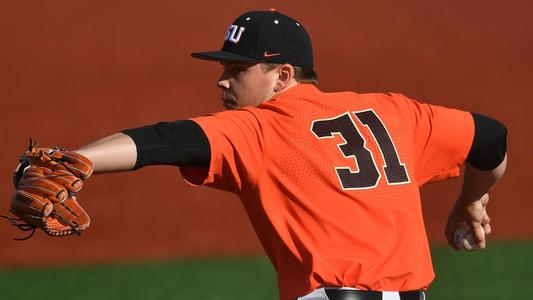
x=266 y=54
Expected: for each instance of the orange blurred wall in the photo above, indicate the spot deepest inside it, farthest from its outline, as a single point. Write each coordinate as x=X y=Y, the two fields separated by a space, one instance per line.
x=75 y=71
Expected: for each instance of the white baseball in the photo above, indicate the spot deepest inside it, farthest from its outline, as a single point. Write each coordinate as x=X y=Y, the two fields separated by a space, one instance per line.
x=463 y=237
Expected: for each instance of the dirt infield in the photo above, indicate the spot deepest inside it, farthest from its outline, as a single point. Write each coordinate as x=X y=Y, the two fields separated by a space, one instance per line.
x=74 y=71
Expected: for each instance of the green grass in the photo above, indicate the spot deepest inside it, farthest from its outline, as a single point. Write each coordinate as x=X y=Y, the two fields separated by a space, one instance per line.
x=503 y=271
x=229 y=278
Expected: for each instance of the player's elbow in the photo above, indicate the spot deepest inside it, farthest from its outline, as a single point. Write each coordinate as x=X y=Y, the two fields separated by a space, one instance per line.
x=489 y=147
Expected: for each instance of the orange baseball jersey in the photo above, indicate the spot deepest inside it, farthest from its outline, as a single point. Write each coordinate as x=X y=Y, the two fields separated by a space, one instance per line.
x=330 y=182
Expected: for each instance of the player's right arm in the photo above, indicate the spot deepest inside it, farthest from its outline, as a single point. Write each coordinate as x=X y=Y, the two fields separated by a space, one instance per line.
x=179 y=143
x=486 y=164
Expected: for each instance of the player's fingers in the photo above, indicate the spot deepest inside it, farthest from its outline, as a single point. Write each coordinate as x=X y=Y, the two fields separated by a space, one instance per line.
x=486 y=219
x=486 y=224
x=487 y=229
x=479 y=236
x=485 y=199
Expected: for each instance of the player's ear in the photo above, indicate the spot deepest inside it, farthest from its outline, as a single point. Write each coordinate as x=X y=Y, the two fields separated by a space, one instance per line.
x=285 y=76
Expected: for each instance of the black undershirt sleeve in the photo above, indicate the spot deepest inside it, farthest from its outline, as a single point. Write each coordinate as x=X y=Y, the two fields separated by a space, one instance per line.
x=490 y=143
x=178 y=143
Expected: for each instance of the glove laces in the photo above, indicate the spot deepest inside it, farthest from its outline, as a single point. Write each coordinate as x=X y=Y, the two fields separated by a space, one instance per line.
x=22 y=225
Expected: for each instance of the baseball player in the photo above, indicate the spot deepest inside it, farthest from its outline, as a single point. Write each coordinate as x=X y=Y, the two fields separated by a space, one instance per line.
x=330 y=181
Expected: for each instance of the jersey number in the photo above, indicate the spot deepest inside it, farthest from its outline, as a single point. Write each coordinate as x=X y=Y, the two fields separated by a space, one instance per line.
x=354 y=147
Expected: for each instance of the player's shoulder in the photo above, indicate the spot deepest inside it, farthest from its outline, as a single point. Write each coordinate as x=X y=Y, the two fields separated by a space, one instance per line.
x=392 y=105
x=388 y=100
x=378 y=96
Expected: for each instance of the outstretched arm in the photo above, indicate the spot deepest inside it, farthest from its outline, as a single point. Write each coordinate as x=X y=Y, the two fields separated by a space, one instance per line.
x=486 y=164
x=48 y=178
x=179 y=143
x=113 y=153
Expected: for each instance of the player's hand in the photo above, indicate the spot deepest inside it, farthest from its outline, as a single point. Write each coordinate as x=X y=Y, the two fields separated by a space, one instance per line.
x=474 y=214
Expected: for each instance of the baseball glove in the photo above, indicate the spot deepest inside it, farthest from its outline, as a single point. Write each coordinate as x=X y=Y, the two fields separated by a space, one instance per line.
x=46 y=181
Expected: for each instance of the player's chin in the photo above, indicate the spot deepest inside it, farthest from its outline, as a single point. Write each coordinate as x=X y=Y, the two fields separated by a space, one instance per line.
x=229 y=105
x=228 y=102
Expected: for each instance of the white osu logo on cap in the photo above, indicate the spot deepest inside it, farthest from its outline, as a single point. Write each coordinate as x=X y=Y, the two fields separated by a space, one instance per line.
x=234 y=34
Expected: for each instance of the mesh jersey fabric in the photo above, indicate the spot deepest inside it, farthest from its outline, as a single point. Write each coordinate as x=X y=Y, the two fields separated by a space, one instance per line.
x=314 y=231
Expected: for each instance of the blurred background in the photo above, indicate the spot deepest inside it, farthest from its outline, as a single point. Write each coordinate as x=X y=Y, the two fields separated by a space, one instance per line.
x=75 y=71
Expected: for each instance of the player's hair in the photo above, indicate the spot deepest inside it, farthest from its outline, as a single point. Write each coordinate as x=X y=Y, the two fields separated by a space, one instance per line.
x=301 y=75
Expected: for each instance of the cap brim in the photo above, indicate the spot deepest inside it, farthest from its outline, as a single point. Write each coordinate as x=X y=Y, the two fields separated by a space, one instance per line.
x=223 y=56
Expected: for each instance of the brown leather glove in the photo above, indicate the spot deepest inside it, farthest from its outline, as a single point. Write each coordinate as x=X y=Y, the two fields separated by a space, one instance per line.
x=46 y=182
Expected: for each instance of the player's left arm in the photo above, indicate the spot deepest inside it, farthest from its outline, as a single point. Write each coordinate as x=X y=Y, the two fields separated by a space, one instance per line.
x=485 y=165
x=47 y=179
x=178 y=143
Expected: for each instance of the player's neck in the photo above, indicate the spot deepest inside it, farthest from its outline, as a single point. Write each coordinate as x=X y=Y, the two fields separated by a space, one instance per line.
x=287 y=87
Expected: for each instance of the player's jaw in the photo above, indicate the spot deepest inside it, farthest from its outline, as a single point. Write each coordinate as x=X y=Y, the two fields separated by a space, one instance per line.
x=244 y=84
